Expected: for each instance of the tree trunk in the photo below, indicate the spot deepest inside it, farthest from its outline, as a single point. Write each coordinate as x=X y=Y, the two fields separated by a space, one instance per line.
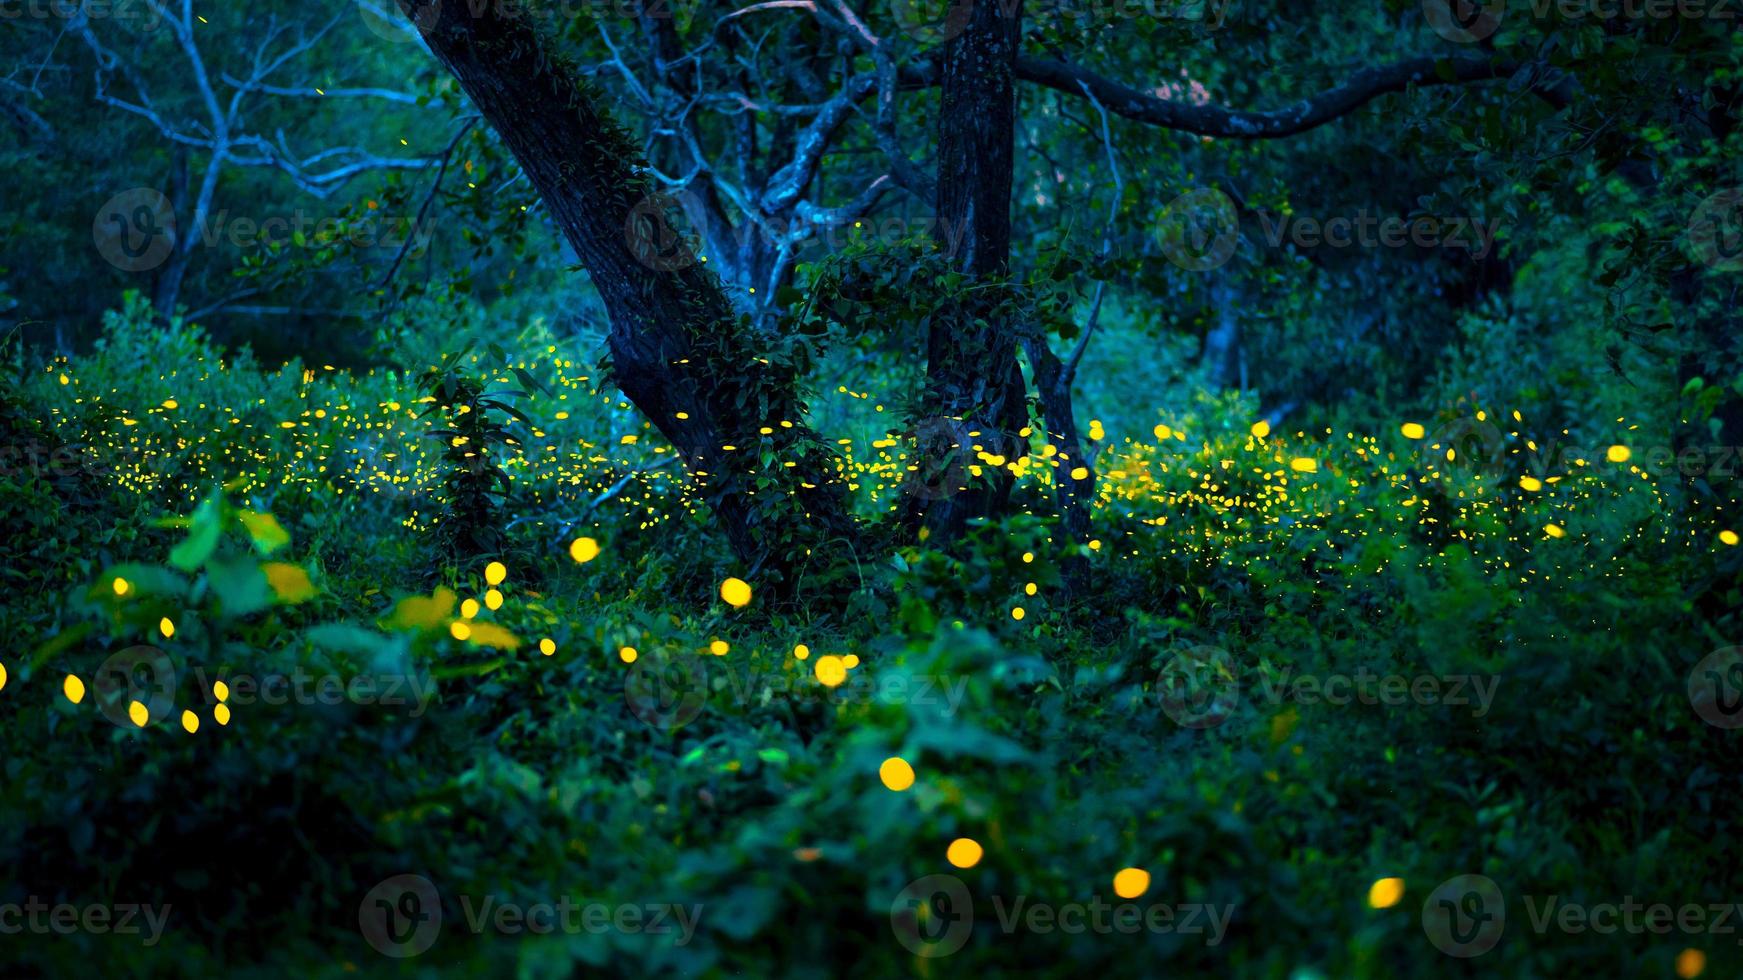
x=678 y=352
x=974 y=387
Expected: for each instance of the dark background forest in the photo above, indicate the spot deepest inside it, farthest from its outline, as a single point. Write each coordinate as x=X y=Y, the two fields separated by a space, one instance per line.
x=810 y=487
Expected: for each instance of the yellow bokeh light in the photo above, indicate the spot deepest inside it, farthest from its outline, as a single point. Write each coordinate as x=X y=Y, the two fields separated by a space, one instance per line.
x=73 y=688
x=830 y=671
x=495 y=573
x=963 y=852
x=736 y=592
x=1131 y=882
x=1385 y=893
x=896 y=773
x=583 y=550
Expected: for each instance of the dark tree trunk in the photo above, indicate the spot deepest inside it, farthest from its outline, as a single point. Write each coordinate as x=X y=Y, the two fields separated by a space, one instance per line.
x=677 y=349
x=974 y=387
x=166 y=290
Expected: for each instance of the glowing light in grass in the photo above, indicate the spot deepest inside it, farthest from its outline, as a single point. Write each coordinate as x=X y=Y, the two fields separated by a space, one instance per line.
x=896 y=773
x=736 y=592
x=1131 y=882
x=963 y=852
x=830 y=671
x=1385 y=893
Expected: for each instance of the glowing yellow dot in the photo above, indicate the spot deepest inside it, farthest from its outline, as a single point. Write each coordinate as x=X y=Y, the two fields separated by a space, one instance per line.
x=850 y=660
x=1530 y=483
x=1028 y=556
x=468 y=610
x=220 y=691
x=1618 y=454
x=121 y=586
x=801 y=651
x=459 y=630
x=1131 y=882
x=138 y=714
x=493 y=599
x=1385 y=893
x=1690 y=963
x=1302 y=464
x=2 y=677
x=1261 y=429
x=221 y=714
x=1161 y=432
x=735 y=591
x=1554 y=530
x=73 y=688
x=830 y=670
x=963 y=852
x=166 y=627
x=583 y=550
x=190 y=722
x=547 y=646
x=1017 y=612
x=896 y=773
x=1029 y=589
x=1411 y=430
x=627 y=655
x=719 y=648
x=1080 y=473
x=495 y=572
x=1728 y=536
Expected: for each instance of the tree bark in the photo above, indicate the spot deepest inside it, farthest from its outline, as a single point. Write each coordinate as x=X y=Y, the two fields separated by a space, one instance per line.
x=974 y=387
x=678 y=351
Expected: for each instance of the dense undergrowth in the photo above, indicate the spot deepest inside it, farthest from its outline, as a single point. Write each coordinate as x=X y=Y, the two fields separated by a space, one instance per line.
x=584 y=711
